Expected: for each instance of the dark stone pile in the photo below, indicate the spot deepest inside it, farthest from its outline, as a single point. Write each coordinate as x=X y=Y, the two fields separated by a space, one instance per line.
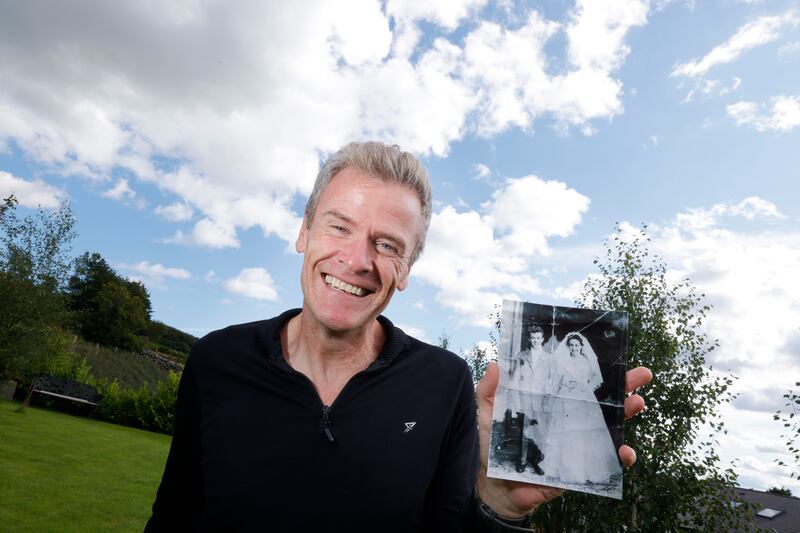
x=162 y=361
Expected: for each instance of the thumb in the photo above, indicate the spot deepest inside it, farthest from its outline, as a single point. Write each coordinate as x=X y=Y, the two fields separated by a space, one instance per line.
x=488 y=385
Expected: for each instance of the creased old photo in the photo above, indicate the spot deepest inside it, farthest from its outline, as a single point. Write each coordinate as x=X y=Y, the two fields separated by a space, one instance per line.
x=558 y=414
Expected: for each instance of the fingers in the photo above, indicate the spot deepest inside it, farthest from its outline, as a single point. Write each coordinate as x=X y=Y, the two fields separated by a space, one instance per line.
x=488 y=385
x=485 y=393
x=637 y=377
x=634 y=404
x=627 y=455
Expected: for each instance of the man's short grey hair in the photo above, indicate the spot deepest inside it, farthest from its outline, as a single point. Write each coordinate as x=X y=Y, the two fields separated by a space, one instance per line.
x=384 y=162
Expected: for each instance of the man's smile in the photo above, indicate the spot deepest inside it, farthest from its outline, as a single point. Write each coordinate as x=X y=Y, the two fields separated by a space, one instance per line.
x=340 y=285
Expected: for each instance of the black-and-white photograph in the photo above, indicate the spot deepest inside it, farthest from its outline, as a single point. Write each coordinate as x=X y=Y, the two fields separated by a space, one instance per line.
x=558 y=416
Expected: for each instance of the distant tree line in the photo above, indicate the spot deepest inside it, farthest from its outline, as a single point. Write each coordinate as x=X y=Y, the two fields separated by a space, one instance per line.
x=48 y=296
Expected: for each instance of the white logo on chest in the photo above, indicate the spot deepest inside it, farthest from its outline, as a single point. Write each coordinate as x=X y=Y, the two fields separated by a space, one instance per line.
x=409 y=426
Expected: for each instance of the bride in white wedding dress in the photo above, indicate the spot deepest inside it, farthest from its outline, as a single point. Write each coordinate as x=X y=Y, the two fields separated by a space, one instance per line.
x=579 y=448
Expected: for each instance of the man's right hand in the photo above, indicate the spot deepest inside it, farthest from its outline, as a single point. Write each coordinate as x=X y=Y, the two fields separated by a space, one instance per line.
x=512 y=499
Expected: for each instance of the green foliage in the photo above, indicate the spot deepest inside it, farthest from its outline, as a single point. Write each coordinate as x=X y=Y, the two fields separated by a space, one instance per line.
x=478 y=359
x=677 y=480
x=74 y=475
x=36 y=248
x=780 y=491
x=108 y=308
x=479 y=356
x=108 y=364
x=34 y=264
x=120 y=318
x=166 y=339
x=791 y=422
x=140 y=408
x=68 y=364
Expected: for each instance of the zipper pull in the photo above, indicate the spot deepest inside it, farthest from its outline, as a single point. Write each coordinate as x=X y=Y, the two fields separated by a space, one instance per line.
x=324 y=423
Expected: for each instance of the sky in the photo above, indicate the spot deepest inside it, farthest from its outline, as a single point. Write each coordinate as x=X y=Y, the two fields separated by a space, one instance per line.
x=186 y=136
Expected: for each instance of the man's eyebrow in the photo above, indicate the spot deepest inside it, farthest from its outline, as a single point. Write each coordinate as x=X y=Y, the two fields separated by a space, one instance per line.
x=338 y=214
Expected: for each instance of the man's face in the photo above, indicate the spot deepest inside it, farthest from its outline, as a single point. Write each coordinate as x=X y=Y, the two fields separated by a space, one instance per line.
x=536 y=340
x=357 y=249
x=574 y=347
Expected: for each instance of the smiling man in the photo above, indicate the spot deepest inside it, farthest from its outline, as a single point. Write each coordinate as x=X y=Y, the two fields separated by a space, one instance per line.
x=329 y=417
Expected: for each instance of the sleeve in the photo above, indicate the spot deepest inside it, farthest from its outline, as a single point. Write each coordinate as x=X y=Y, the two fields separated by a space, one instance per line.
x=179 y=499
x=449 y=504
x=485 y=520
x=595 y=376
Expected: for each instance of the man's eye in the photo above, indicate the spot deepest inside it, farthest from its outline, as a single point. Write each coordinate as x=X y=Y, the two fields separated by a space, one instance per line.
x=339 y=228
x=387 y=247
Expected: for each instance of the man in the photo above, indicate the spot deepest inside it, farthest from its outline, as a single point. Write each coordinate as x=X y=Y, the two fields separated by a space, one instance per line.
x=529 y=374
x=328 y=417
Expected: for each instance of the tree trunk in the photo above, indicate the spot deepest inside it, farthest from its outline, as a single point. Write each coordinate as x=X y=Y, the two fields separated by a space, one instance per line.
x=634 y=518
x=27 y=401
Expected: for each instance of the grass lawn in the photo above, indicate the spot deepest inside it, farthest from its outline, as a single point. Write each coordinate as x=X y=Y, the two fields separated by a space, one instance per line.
x=63 y=473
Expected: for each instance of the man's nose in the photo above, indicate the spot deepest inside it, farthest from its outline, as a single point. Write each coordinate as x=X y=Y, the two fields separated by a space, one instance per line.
x=358 y=254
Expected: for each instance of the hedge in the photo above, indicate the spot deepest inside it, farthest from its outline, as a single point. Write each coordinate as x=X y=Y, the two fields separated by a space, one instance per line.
x=140 y=408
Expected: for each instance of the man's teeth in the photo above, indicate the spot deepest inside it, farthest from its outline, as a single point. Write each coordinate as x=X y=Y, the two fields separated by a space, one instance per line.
x=336 y=283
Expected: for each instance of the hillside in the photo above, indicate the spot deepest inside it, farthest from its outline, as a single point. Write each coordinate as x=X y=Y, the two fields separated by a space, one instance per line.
x=130 y=369
x=168 y=340
x=167 y=349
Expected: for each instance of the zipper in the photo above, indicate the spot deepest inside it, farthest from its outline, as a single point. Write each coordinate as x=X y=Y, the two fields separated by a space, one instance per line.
x=326 y=421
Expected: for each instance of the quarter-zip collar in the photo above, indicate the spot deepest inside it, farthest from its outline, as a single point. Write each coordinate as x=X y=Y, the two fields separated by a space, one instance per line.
x=392 y=346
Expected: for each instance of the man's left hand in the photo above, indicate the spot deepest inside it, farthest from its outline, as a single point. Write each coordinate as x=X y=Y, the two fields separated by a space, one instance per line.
x=512 y=499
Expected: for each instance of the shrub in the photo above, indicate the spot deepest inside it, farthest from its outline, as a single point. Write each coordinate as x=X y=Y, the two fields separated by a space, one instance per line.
x=140 y=408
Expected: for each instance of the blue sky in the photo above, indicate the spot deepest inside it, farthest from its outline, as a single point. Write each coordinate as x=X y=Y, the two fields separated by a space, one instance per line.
x=186 y=137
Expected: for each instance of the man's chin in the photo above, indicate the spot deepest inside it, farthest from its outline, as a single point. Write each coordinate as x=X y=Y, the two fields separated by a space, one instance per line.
x=341 y=324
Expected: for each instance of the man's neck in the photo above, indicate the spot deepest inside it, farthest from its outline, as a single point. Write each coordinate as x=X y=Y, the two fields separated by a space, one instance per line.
x=329 y=359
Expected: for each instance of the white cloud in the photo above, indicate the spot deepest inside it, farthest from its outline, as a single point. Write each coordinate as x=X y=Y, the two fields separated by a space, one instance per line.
x=475 y=258
x=712 y=88
x=245 y=102
x=417 y=333
x=764 y=400
x=529 y=210
x=789 y=49
x=784 y=115
x=30 y=193
x=748 y=275
x=482 y=173
x=253 y=283
x=597 y=32
x=445 y=13
x=695 y=220
x=753 y=442
x=157 y=272
x=509 y=68
x=122 y=192
x=175 y=212
x=755 y=33
x=208 y=233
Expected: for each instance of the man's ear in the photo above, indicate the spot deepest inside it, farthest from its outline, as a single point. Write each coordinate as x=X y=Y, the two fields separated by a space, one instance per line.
x=300 y=243
x=403 y=283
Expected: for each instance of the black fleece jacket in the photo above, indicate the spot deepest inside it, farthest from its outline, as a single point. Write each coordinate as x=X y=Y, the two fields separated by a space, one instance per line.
x=254 y=448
